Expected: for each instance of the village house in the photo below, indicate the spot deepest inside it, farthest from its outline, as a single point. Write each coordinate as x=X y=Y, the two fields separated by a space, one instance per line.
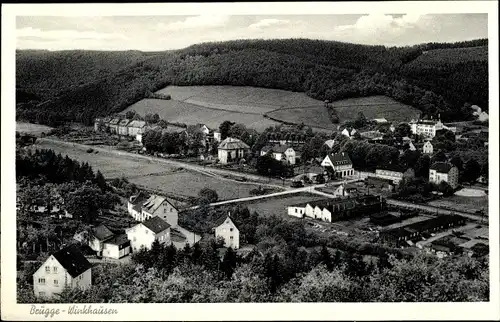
x=284 y=138
x=339 y=164
x=380 y=183
x=227 y=230
x=113 y=125
x=392 y=128
x=280 y=153
x=67 y=267
x=102 y=124
x=231 y=150
x=427 y=148
x=143 y=207
x=345 y=190
x=145 y=233
x=123 y=127
x=380 y=120
x=444 y=171
x=97 y=236
x=349 y=132
x=330 y=143
x=105 y=243
x=135 y=129
x=116 y=247
x=393 y=172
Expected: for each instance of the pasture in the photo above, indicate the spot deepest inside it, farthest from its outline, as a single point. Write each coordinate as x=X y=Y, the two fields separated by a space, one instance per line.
x=374 y=107
x=461 y=203
x=452 y=56
x=316 y=116
x=31 y=128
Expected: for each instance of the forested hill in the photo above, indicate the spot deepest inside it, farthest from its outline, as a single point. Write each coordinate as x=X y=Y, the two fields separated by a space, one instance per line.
x=80 y=85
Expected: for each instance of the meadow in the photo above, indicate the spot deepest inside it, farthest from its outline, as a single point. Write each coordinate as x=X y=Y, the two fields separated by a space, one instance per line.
x=374 y=107
x=452 y=56
x=31 y=128
x=278 y=205
x=316 y=116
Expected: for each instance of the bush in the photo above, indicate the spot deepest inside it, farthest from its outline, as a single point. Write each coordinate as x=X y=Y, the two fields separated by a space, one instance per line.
x=90 y=150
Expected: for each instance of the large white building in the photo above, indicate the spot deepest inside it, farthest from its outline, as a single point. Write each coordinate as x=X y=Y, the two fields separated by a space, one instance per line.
x=339 y=163
x=428 y=128
x=444 y=171
x=67 y=267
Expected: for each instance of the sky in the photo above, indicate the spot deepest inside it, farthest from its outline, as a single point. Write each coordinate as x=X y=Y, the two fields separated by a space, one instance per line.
x=156 y=33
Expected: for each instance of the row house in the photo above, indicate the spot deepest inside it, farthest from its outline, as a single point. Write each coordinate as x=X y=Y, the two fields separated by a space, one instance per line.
x=121 y=126
x=337 y=208
x=143 y=207
x=67 y=267
x=394 y=172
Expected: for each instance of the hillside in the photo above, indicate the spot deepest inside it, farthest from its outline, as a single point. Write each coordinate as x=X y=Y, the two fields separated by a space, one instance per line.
x=102 y=83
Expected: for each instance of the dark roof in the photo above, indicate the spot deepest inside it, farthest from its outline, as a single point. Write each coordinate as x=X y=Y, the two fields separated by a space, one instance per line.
x=118 y=240
x=340 y=158
x=275 y=148
x=138 y=200
x=442 y=167
x=222 y=219
x=392 y=167
x=156 y=224
x=102 y=232
x=73 y=261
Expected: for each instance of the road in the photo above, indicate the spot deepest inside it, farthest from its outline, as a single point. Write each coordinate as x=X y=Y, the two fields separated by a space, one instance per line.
x=435 y=209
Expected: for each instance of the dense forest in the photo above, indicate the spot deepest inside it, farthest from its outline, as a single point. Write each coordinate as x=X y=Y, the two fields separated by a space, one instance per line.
x=55 y=87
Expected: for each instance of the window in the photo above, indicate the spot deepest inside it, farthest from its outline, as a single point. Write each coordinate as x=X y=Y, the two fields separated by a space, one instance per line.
x=164 y=210
x=56 y=282
x=54 y=269
x=230 y=229
x=231 y=237
x=41 y=281
x=47 y=269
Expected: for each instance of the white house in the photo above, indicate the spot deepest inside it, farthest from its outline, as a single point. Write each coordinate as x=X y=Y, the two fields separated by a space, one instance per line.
x=349 y=132
x=231 y=149
x=298 y=210
x=444 y=171
x=280 y=153
x=330 y=143
x=380 y=120
x=227 y=230
x=426 y=128
x=123 y=127
x=428 y=148
x=393 y=172
x=145 y=233
x=97 y=236
x=143 y=207
x=66 y=267
x=217 y=136
x=116 y=247
x=483 y=117
x=345 y=190
x=339 y=163
x=113 y=125
x=136 y=128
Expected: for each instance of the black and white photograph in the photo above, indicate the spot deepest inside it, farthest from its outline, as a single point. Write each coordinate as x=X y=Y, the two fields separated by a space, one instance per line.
x=221 y=156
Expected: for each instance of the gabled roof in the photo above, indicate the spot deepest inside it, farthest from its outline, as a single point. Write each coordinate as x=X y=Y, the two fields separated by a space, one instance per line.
x=442 y=167
x=330 y=143
x=124 y=122
x=138 y=200
x=137 y=123
x=232 y=144
x=275 y=148
x=118 y=240
x=223 y=219
x=156 y=224
x=114 y=121
x=154 y=201
x=101 y=232
x=73 y=261
x=341 y=158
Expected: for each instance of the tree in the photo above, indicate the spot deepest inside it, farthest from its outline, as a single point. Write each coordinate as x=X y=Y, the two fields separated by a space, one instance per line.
x=100 y=181
x=445 y=188
x=130 y=114
x=472 y=170
x=403 y=129
x=439 y=157
x=360 y=120
x=457 y=162
x=224 y=129
x=229 y=262
x=208 y=194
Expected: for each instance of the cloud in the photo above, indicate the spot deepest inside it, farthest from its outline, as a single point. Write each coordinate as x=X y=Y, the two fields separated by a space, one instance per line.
x=202 y=21
x=380 y=25
x=33 y=33
x=266 y=23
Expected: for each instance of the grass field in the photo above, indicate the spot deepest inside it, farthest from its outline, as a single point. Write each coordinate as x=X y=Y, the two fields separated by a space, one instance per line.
x=150 y=174
x=374 y=107
x=35 y=129
x=185 y=183
x=461 y=203
x=183 y=112
x=316 y=116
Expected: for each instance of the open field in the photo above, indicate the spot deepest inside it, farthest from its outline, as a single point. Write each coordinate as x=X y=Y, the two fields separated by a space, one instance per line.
x=186 y=183
x=374 y=107
x=182 y=112
x=35 y=129
x=150 y=174
x=316 y=116
x=460 y=203
x=278 y=205
x=260 y=99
